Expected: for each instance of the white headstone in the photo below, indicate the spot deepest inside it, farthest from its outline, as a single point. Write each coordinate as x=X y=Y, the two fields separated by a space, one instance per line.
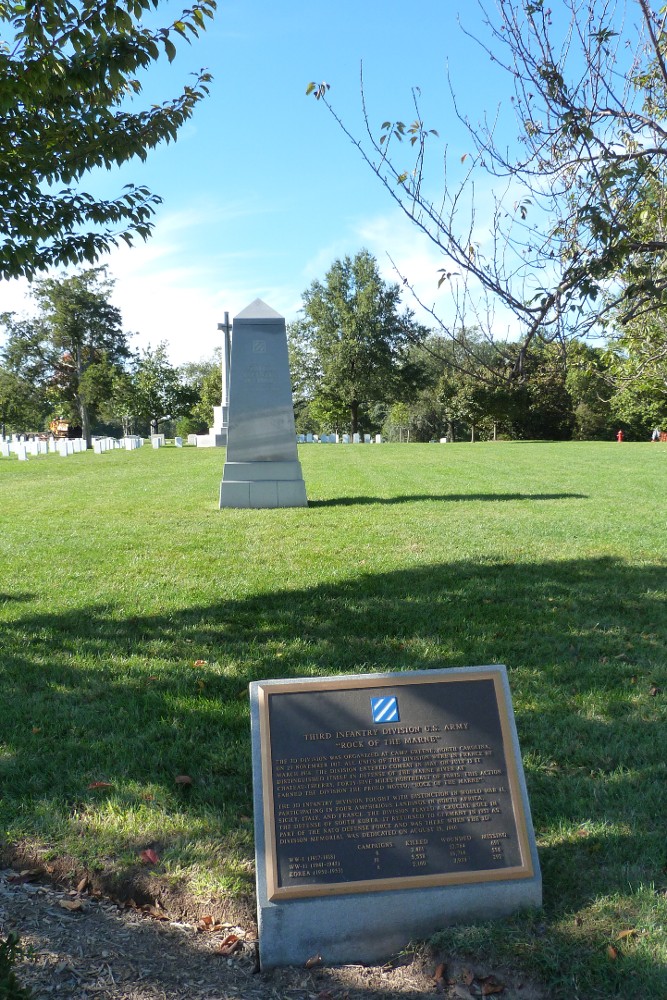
x=356 y=439
x=192 y=439
x=378 y=439
x=309 y=438
x=178 y=441
x=155 y=441
x=22 y=453
x=4 y=449
x=346 y=438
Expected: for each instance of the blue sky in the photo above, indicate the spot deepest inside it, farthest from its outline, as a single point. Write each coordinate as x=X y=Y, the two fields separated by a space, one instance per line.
x=262 y=191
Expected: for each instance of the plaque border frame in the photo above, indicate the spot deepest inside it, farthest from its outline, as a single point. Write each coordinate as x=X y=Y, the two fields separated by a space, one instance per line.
x=497 y=674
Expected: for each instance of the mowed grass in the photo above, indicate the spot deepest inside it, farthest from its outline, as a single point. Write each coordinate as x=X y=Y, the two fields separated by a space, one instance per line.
x=119 y=574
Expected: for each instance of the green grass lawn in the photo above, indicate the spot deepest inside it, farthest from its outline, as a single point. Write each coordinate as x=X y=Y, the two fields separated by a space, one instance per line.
x=118 y=573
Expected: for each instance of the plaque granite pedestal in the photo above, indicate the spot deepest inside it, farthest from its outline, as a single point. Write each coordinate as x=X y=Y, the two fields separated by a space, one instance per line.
x=262 y=467
x=386 y=807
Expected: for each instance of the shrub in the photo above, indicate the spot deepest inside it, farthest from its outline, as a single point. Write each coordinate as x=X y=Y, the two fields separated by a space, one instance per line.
x=10 y=988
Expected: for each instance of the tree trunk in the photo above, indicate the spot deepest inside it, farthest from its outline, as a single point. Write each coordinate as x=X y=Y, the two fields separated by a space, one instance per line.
x=85 y=421
x=450 y=432
x=81 y=405
x=354 y=418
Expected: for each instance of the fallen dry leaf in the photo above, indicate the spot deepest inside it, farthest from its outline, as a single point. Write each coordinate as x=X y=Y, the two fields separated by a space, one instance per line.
x=183 y=779
x=154 y=912
x=440 y=972
x=83 y=884
x=199 y=663
x=654 y=691
x=100 y=784
x=210 y=924
x=491 y=985
x=439 y=977
x=627 y=934
x=230 y=944
x=36 y=729
x=313 y=960
x=612 y=953
x=73 y=905
x=150 y=857
x=467 y=976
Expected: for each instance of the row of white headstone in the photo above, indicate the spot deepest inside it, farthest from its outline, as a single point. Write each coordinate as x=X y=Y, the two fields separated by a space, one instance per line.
x=338 y=439
x=131 y=442
x=25 y=448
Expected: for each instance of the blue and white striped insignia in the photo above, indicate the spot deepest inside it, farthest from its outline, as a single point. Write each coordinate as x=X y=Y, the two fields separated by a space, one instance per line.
x=385 y=709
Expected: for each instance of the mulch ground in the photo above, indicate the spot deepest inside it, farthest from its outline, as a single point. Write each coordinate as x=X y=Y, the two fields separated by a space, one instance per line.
x=83 y=945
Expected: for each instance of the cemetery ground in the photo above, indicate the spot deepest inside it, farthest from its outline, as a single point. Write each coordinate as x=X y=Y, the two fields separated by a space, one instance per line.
x=134 y=613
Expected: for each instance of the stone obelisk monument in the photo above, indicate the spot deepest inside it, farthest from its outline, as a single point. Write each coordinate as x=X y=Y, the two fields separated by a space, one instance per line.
x=262 y=467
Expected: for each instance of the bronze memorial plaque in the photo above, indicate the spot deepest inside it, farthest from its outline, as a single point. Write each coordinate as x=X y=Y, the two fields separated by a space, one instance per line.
x=389 y=783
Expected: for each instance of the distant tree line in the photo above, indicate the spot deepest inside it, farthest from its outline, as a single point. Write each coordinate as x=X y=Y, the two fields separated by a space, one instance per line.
x=73 y=362
x=360 y=363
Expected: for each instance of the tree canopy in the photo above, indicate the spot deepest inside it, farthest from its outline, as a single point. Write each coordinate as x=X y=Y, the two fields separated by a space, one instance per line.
x=578 y=232
x=160 y=393
x=73 y=348
x=67 y=71
x=352 y=340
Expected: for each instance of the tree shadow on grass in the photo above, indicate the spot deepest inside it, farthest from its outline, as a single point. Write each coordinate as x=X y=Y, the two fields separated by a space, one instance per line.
x=349 y=501
x=91 y=696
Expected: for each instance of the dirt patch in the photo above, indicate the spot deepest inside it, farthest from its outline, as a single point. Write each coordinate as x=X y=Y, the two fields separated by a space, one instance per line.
x=83 y=945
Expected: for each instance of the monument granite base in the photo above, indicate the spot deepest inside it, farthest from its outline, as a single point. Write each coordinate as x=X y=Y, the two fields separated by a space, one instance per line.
x=371 y=927
x=263 y=484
